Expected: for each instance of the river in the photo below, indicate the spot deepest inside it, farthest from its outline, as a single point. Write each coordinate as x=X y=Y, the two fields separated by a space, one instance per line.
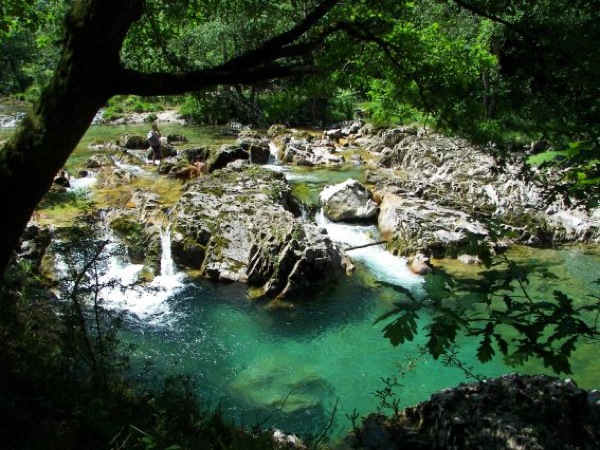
x=296 y=369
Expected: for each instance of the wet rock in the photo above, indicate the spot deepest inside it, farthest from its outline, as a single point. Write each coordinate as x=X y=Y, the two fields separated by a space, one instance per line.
x=257 y=148
x=420 y=265
x=97 y=161
x=139 y=226
x=227 y=154
x=241 y=224
x=349 y=200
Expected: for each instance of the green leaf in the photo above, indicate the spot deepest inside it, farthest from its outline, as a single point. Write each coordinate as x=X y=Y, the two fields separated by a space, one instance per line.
x=502 y=344
x=402 y=329
x=442 y=334
x=485 y=351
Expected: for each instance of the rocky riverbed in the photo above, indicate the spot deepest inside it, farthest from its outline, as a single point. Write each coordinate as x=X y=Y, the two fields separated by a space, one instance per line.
x=431 y=196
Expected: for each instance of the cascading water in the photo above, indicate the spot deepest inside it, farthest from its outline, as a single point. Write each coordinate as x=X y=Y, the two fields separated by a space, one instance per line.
x=273 y=154
x=167 y=265
x=291 y=368
x=384 y=265
x=82 y=183
x=147 y=303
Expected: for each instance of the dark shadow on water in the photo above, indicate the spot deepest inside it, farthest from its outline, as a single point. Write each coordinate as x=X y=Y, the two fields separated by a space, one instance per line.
x=345 y=303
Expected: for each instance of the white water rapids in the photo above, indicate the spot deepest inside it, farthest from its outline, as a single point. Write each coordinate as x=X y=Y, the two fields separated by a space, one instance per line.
x=149 y=302
x=383 y=265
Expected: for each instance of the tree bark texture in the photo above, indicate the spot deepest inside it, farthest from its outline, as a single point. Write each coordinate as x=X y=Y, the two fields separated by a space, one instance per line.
x=94 y=32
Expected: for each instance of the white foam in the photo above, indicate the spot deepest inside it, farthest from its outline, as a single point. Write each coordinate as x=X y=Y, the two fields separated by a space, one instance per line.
x=146 y=302
x=384 y=265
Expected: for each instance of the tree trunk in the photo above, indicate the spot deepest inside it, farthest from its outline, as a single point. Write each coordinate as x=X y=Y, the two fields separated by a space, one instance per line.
x=50 y=132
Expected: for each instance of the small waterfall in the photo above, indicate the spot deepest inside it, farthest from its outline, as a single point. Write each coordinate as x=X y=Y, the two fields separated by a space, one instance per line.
x=273 y=156
x=383 y=264
x=167 y=266
x=148 y=303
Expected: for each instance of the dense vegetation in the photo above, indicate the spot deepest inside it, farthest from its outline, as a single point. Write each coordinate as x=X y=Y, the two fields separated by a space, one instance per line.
x=503 y=73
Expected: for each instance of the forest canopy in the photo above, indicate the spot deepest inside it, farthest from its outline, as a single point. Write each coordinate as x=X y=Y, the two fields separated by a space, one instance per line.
x=477 y=66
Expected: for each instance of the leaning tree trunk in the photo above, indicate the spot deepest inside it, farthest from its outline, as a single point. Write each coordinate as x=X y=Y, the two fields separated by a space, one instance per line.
x=49 y=133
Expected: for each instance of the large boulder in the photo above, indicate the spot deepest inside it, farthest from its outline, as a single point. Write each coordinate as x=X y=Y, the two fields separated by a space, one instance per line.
x=134 y=142
x=413 y=225
x=306 y=259
x=349 y=200
x=256 y=146
x=456 y=174
x=509 y=412
x=227 y=154
x=302 y=149
x=241 y=224
x=139 y=226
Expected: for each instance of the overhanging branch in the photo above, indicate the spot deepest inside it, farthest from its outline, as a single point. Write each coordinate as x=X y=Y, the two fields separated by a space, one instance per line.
x=139 y=83
x=273 y=47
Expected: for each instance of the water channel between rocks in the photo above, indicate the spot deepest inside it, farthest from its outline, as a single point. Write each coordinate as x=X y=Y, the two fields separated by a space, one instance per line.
x=293 y=368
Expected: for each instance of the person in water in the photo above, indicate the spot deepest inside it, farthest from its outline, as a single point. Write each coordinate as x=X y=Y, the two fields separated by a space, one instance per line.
x=154 y=142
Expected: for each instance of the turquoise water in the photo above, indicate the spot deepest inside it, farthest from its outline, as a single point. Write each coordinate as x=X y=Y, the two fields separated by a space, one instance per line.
x=291 y=368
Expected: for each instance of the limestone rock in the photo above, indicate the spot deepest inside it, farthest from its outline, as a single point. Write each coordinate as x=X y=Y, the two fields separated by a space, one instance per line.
x=509 y=412
x=134 y=142
x=455 y=174
x=242 y=224
x=227 y=154
x=415 y=225
x=349 y=200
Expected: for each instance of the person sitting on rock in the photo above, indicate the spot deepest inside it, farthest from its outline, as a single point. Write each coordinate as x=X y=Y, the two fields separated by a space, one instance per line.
x=200 y=165
x=62 y=179
x=154 y=142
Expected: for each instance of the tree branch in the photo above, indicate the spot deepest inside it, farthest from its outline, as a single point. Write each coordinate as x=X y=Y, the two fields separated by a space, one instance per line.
x=132 y=82
x=273 y=47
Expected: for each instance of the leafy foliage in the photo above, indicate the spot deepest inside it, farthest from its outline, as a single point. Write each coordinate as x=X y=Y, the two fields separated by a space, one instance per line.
x=499 y=311
x=29 y=38
x=575 y=171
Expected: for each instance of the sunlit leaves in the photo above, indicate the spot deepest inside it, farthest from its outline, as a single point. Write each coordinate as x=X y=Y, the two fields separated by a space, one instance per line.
x=499 y=311
x=576 y=170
